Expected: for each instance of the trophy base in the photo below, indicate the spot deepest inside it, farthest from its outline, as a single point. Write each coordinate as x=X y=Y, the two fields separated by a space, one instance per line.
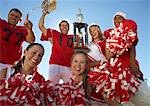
x=83 y=49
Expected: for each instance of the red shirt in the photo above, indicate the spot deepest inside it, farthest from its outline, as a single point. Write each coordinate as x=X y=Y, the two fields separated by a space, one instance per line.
x=62 y=47
x=11 y=39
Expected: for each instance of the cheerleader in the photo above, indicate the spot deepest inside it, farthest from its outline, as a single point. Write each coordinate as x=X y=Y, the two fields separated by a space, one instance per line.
x=25 y=86
x=73 y=93
x=96 y=54
x=118 y=79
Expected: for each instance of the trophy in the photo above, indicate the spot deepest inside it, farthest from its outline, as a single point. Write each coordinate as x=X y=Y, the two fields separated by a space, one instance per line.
x=80 y=38
x=48 y=6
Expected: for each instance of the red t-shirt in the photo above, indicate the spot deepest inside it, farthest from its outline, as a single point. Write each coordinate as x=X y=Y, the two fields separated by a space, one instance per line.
x=11 y=39
x=62 y=47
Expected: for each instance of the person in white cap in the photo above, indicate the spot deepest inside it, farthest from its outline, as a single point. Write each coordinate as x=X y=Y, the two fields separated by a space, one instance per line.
x=119 y=17
x=142 y=97
x=118 y=78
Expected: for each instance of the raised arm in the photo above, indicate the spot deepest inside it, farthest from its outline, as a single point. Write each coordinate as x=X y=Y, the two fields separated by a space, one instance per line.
x=41 y=24
x=28 y=24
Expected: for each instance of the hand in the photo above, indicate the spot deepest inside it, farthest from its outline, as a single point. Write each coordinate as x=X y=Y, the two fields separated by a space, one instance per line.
x=28 y=23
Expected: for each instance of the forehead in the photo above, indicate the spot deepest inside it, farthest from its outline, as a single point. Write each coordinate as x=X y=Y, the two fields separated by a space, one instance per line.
x=80 y=56
x=118 y=17
x=14 y=12
x=64 y=23
x=93 y=27
x=36 y=48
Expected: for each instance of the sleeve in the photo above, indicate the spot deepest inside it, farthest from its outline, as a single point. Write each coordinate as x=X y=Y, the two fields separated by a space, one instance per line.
x=49 y=35
x=131 y=28
x=107 y=33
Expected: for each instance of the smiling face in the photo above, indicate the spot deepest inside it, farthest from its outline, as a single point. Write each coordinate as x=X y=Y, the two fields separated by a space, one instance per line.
x=64 y=27
x=79 y=64
x=118 y=19
x=13 y=17
x=33 y=56
x=95 y=33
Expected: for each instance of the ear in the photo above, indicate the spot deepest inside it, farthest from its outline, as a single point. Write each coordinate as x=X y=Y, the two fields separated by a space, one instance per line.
x=25 y=52
x=20 y=20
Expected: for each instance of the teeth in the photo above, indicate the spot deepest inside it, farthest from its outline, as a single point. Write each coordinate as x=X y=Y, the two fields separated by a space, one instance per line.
x=78 y=69
x=33 y=61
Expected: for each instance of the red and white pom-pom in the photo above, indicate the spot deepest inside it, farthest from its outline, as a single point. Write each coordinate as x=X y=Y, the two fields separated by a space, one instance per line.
x=121 y=38
x=70 y=94
x=49 y=94
x=24 y=90
x=113 y=80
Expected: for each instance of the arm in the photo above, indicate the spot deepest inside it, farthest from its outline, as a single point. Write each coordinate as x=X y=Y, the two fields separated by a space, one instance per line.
x=30 y=36
x=92 y=64
x=133 y=64
x=108 y=54
x=3 y=73
x=41 y=24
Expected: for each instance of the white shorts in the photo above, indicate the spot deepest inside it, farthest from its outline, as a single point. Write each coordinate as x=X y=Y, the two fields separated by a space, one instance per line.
x=2 y=66
x=57 y=72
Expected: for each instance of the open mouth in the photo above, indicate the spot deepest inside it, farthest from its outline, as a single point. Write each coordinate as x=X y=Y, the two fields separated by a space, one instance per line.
x=34 y=61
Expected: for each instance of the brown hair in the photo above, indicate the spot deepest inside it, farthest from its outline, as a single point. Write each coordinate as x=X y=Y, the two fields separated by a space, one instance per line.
x=65 y=22
x=16 y=10
x=18 y=65
x=88 y=87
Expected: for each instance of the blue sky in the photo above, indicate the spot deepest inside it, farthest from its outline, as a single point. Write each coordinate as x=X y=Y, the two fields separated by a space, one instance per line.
x=94 y=11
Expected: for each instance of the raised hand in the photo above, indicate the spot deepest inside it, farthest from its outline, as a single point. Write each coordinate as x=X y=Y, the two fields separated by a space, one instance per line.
x=28 y=23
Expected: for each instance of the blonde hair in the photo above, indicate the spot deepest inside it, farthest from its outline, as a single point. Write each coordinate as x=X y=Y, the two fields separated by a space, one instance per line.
x=80 y=52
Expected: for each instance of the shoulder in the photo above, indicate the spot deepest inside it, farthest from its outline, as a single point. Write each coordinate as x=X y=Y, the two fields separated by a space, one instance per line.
x=3 y=21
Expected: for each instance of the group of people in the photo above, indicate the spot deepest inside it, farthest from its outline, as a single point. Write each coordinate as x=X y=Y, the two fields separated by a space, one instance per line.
x=108 y=75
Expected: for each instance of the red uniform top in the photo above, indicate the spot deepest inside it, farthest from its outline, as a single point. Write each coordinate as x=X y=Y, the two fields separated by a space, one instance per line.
x=115 y=79
x=102 y=44
x=62 y=47
x=11 y=39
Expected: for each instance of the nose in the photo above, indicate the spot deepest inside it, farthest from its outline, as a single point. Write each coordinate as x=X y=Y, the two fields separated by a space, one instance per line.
x=79 y=64
x=36 y=57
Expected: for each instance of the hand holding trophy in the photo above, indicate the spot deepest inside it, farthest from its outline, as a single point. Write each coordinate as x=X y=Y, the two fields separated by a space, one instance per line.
x=48 y=6
x=82 y=41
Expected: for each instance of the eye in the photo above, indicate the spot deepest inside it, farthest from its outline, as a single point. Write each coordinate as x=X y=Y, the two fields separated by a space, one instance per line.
x=75 y=61
x=83 y=62
x=40 y=55
x=16 y=17
x=33 y=53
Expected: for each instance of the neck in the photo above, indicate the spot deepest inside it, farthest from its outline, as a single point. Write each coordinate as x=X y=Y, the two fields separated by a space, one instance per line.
x=78 y=78
x=26 y=70
x=97 y=40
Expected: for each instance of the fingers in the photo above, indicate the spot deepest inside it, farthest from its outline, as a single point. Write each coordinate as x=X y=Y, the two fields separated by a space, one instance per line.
x=26 y=20
x=29 y=24
x=27 y=17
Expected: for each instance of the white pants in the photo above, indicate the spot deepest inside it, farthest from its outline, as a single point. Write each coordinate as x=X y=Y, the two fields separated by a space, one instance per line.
x=142 y=97
x=2 y=66
x=57 y=72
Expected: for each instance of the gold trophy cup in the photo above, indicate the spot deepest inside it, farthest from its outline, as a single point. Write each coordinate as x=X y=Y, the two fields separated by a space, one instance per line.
x=48 y=6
